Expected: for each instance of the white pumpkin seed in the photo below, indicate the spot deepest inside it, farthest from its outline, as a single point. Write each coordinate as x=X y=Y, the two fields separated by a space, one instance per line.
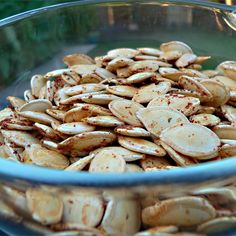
x=17 y=103
x=46 y=131
x=3 y=151
x=37 y=82
x=105 y=74
x=83 y=70
x=153 y=162
x=184 y=104
x=202 y=59
x=90 y=78
x=138 y=77
x=82 y=144
x=230 y=70
x=123 y=72
x=156 y=119
x=42 y=92
x=99 y=99
x=39 y=117
x=50 y=145
x=122 y=52
x=84 y=110
x=210 y=73
x=145 y=57
x=150 y=51
x=45 y=208
x=225 y=131
x=78 y=98
x=185 y=60
x=84 y=88
x=125 y=110
x=206 y=109
x=170 y=73
x=218 y=196
x=205 y=119
x=47 y=158
x=185 y=92
x=77 y=59
x=28 y=96
x=39 y=105
x=82 y=208
x=133 y=168
x=19 y=138
x=71 y=78
x=190 y=83
x=118 y=62
x=105 y=162
x=141 y=146
x=228 y=82
x=14 y=153
x=187 y=139
x=60 y=95
x=144 y=66
x=60 y=134
x=219 y=92
x=194 y=67
x=228 y=141
x=18 y=123
x=132 y=131
x=57 y=114
x=8 y=212
x=227 y=151
x=148 y=92
x=194 y=73
x=122 y=90
x=122 y=217
x=171 y=55
x=183 y=211
x=75 y=128
x=56 y=73
x=17 y=199
x=229 y=112
x=126 y=154
x=180 y=159
x=175 y=45
x=233 y=95
x=220 y=66
x=6 y=113
x=102 y=60
x=81 y=163
x=104 y=121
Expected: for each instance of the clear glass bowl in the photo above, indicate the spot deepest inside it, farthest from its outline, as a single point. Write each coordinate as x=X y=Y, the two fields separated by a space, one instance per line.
x=35 y=42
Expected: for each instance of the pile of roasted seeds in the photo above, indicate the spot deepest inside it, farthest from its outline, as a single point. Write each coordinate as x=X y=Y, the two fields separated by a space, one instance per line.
x=131 y=110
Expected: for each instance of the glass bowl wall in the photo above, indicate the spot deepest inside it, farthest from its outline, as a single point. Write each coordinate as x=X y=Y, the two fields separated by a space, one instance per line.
x=35 y=42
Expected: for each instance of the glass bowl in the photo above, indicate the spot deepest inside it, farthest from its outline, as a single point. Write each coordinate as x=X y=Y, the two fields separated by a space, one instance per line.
x=35 y=41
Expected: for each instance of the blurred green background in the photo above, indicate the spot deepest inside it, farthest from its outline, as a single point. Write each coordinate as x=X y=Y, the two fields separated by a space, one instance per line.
x=31 y=43
x=10 y=7
x=12 y=38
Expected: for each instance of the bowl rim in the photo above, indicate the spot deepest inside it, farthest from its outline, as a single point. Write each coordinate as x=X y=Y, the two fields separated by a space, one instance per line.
x=194 y=3
x=15 y=172
x=21 y=173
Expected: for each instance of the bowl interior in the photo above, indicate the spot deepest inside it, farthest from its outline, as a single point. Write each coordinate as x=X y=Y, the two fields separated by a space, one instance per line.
x=35 y=43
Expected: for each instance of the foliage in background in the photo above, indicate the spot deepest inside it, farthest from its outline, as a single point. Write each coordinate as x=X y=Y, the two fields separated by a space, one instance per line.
x=11 y=7
x=31 y=42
